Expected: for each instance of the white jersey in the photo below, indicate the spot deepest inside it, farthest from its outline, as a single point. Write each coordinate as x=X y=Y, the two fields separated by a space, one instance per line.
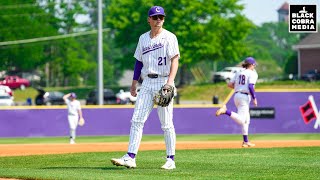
x=156 y=53
x=73 y=107
x=242 y=80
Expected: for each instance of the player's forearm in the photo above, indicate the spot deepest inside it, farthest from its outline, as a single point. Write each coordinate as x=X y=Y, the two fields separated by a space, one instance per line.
x=173 y=69
x=66 y=96
x=251 y=90
x=133 y=89
x=80 y=113
x=134 y=83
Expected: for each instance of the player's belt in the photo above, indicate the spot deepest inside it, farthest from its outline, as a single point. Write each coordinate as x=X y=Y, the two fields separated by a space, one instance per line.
x=243 y=93
x=153 y=76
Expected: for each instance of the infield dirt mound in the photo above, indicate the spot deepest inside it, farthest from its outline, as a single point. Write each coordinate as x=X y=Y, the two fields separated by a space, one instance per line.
x=38 y=149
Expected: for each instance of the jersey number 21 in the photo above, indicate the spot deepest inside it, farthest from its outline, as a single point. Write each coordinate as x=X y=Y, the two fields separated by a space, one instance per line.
x=160 y=59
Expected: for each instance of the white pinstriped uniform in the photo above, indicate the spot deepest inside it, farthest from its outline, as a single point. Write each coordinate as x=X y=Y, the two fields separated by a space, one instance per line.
x=155 y=54
x=73 y=115
x=241 y=82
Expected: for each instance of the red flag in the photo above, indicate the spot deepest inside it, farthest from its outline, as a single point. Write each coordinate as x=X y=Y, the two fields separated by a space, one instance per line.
x=307 y=112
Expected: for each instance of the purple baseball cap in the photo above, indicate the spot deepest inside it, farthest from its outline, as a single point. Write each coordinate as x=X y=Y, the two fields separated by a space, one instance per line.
x=73 y=95
x=156 y=10
x=250 y=60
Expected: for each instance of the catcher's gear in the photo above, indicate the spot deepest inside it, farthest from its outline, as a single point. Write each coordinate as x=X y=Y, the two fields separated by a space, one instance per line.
x=164 y=96
x=81 y=122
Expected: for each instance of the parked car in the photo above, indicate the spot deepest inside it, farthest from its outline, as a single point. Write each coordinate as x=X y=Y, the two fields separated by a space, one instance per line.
x=6 y=99
x=312 y=75
x=6 y=89
x=49 y=98
x=125 y=97
x=226 y=74
x=109 y=97
x=15 y=82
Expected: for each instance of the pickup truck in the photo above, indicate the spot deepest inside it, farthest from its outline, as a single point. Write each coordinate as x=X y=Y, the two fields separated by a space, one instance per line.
x=226 y=74
x=15 y=82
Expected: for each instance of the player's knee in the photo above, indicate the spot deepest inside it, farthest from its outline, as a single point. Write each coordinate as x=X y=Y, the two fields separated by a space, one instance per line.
x=167 y=128
x=137 y=125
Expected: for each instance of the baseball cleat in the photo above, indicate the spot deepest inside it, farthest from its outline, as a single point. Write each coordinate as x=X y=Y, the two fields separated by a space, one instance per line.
x=247 y=144
x=72 y=141
x=170 y=164
x=222 y=110
x=126 y=161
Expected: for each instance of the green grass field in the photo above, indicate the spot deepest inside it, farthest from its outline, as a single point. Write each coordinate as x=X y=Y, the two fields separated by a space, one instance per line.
x=271 y=163
x=247 y=163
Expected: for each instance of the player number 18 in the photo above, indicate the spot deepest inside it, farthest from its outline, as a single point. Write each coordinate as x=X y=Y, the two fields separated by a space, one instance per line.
x=242 y=79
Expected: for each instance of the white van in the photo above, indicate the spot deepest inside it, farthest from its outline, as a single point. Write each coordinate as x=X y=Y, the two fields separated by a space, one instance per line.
x=226 y=74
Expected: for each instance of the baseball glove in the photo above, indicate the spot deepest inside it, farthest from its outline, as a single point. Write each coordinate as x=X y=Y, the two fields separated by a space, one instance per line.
x=81 y=122
x=164 y=96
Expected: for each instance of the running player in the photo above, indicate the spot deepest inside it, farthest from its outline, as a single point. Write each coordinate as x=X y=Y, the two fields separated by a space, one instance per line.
x=74 y=114
x=243 y=84
x=157 y=57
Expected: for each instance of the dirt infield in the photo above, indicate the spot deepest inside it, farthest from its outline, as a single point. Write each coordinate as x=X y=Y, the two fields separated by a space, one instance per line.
x=38 y=149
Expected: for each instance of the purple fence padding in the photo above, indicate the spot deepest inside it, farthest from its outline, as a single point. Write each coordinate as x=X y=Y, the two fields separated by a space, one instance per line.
x=116 y=121
x=288 y=118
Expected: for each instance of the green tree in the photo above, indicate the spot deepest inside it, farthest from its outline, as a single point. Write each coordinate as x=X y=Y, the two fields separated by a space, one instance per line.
x=75 y=57
x=291 y=66
x=23 y=22
x=269 y=69
x=66 y=61
x=70 y=53
x=112 y=68
x=273 y=41
x=207 y=30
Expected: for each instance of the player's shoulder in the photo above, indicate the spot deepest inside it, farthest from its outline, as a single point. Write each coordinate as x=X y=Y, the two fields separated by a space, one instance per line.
x=254 y=72
x=249 y=71
x=145 y=35
x=168 y=33
x=244 y=71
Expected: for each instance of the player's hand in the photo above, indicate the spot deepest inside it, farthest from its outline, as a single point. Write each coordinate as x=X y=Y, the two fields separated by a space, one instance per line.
x=133 y=91
x=231 y=85
x=255 y=102
x=170 y=83
x=133 y=88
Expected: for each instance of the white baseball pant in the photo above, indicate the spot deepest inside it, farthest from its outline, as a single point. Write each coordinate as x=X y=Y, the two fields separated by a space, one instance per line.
x=242 y=117
x=143 y=108
x=73 y=123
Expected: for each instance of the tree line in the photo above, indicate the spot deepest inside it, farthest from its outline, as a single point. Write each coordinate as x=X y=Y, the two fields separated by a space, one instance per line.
x=208 y=31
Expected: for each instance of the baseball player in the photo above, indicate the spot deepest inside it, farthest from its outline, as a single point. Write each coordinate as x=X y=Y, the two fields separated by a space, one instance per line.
x=157 y=57
x=243 y=84
x=74 y=114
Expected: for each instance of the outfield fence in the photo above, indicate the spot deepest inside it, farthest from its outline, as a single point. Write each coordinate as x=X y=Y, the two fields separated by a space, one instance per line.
x=279 y=114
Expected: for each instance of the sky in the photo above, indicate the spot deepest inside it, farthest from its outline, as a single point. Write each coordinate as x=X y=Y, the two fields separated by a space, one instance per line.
x=262 y=11
x=259 y=11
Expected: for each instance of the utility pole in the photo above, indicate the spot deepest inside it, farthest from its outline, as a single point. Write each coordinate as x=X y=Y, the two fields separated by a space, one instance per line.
x=100 y=55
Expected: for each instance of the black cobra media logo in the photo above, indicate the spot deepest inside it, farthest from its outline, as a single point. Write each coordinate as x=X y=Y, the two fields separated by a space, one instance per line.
x=303 y=18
